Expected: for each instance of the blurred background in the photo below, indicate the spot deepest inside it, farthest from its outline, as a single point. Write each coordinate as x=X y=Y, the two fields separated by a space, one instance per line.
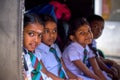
x=109 y=9
x=109 y=42
x=11 y=29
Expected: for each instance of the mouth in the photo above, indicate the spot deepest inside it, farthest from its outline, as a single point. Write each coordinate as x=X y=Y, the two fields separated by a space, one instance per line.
x=88 y=39
x=51 y=40
x=33 y=45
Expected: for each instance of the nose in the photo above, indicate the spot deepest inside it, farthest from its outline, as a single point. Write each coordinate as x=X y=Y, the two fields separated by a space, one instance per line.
x=89 y=34
x=37 y=39
x=51 y=34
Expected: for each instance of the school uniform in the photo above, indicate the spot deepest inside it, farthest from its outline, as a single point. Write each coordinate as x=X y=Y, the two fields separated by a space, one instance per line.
x=75 y=52
x=30 y=67
x=94 y=45
x=48 y=58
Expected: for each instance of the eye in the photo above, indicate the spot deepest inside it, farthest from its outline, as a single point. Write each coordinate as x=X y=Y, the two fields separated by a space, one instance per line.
x=46 y=31
x=31 y=34
x=40 y=35
x=95 y=27
x=82 y=33
x=54 y=31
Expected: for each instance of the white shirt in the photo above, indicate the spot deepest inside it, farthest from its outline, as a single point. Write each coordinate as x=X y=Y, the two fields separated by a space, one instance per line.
x=49 y=59
x=30 y=67
x=94 y=43
x=75 y=52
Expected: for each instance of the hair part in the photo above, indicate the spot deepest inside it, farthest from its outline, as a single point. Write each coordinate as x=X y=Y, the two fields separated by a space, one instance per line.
x=77 y=23
x=47 y=18
x=30 y=18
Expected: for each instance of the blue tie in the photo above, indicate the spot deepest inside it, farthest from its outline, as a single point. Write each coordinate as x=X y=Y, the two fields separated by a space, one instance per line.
x=85 y=55
x=36 y=75
x=61 y=72
x=85 y=58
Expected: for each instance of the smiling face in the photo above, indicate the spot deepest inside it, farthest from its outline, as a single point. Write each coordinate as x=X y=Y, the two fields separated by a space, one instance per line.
x=97 y=28
x=32 y=36
x=50 y=33
x=83 y=35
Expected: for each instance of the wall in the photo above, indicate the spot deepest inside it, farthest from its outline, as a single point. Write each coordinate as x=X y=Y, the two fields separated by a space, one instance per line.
x=10 y=39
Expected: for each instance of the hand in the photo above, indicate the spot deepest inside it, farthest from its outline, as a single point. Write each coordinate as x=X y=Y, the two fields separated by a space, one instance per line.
x=25 y=78
x=24 y=75
x=115 y=76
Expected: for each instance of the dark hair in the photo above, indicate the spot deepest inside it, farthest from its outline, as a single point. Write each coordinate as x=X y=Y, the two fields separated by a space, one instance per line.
x=77 y=23
x=92 y=18
x=30 y=18
x=73 y=27
x=46 y=18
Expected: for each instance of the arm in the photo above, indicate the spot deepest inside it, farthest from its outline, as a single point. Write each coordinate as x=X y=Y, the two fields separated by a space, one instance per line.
x=24 y=75
x=103 y=66
x=108 y=61
x=44 y=70
x=112 y=71
x=70 y=74
x=85 y=70
x=96 y=68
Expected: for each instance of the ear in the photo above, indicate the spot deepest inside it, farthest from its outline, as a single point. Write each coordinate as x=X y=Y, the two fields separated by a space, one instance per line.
x=72 y=37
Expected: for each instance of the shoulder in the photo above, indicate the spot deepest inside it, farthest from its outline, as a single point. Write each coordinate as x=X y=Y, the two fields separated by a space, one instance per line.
x=55 y=46
x=57 y=49
x=43 y=48
x=38 y=54
x=73 y=47
x=90 y=52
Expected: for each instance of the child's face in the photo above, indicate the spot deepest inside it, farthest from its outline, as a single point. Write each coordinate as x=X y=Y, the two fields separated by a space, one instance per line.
x=50 y=33
x=32 y=36
x=97 y=28
x=83 y=35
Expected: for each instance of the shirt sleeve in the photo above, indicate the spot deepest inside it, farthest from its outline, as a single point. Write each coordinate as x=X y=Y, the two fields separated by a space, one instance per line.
x=91 y=54
x=73 y=55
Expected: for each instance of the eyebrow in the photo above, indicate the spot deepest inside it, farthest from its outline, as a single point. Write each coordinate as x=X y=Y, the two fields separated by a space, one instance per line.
x=48 y=28
x=39 y=32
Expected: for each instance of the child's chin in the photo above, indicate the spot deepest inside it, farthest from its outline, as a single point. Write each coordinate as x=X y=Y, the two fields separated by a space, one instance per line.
x=89 y=42
x=50 y=43
x=32 y=49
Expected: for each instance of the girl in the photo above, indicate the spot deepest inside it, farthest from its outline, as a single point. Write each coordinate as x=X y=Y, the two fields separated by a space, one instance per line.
x=51 y=55
x=77 y=55
x=32 y=34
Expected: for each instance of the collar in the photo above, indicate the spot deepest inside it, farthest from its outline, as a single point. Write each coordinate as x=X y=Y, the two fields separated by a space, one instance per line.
x=94 y=43
x=45 y=47
x=79 y=47
x=26 y=51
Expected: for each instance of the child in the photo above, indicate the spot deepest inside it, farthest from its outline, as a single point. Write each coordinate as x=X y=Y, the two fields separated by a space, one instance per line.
x=97 y=25
x=51 y=55
x=32 y=33
x=77 y=56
